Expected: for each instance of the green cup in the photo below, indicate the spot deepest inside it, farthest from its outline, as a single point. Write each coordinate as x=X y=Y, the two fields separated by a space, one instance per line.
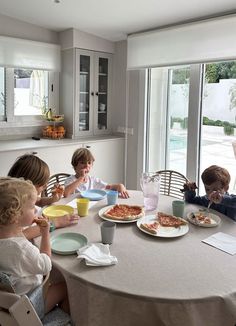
x=178 y=208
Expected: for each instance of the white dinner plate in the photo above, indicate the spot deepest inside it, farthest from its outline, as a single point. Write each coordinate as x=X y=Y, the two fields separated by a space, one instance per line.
x=68 y=243
x=93 y=194
x=102 y=210
x=163 y=231
x=215 y=219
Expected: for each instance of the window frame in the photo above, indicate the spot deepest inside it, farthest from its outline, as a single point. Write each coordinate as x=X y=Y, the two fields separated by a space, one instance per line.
x=11 y=120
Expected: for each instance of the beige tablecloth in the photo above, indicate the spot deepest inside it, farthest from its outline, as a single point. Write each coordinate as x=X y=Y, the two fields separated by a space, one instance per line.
x=157 y=281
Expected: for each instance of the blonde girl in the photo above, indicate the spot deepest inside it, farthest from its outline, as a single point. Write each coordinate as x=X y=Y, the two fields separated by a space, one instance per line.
x=19 y=258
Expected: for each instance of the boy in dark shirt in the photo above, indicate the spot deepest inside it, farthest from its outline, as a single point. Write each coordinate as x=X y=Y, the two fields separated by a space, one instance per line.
x=216 y=182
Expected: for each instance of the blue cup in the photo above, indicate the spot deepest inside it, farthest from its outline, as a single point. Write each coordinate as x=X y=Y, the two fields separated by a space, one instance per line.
x=112 y=196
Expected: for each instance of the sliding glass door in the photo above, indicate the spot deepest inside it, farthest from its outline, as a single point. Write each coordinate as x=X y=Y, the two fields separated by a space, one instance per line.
x=191 y=119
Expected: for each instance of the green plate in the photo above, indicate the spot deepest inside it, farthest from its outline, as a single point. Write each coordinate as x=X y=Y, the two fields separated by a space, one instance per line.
x=57 y=210
x=68 y=243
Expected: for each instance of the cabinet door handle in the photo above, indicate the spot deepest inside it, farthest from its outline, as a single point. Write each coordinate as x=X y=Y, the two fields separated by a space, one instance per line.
x=87 y=146
x=97 y=93
x=92 y=93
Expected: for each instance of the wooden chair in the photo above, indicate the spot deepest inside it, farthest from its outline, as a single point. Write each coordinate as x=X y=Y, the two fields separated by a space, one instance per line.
x=16 y=310
x=171 y=183
x=58 y=178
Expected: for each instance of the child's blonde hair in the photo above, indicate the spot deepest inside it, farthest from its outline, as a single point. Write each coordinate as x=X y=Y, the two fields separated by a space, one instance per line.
x=14 y=193
x=30 y=167
x=216 y=173
x=81 y=155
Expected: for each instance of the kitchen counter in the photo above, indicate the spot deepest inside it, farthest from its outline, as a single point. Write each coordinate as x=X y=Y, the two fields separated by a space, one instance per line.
x=29 y=143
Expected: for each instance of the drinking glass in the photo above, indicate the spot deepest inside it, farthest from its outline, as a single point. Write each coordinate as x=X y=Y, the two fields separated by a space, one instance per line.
x=150 y=185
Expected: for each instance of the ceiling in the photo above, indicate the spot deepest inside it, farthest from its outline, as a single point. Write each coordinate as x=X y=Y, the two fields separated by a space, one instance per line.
x=110 y=19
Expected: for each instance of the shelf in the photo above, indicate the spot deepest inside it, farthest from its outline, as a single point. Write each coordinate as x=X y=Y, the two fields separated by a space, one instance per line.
x=84 y=72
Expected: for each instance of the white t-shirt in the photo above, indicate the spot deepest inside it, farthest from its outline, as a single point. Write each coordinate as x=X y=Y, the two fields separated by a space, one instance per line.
x=92 y=183
x=23 y=261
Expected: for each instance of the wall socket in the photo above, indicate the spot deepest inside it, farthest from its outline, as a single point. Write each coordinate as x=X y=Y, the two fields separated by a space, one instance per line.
x=124 y=130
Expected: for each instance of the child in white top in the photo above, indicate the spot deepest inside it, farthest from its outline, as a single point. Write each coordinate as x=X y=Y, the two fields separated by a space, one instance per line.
x=31 y=167
x=19 y=258
x=82 y=162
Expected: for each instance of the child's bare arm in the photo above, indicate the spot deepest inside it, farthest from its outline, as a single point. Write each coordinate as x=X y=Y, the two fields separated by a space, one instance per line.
x=120 y=188
x=44 y=225
x=70 y=189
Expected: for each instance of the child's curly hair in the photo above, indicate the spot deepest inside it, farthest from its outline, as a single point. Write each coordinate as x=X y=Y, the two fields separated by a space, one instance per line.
x=216 y=173
x=14 y=193
x=81 y=155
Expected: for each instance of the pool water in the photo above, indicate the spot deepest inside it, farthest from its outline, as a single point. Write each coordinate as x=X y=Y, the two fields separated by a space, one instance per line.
x=180 y=142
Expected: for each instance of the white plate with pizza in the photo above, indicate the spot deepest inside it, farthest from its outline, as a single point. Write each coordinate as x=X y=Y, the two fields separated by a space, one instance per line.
x=203 y=219
x=121 y=213
x=151 y=224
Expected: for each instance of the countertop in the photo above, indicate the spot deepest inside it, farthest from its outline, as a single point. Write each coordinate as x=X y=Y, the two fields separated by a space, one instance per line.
x=29 y=143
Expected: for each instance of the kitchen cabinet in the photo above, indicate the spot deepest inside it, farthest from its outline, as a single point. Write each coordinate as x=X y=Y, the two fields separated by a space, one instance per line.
x=86 y=92
x=108 y=153
x=58 y=158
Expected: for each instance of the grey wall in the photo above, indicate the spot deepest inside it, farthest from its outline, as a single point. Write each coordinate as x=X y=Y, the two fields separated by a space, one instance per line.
x=16 y=28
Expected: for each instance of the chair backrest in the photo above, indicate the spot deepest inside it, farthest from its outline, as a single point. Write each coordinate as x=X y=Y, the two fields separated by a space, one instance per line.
x=171 y=183
x=58 y=178
x=17 y=310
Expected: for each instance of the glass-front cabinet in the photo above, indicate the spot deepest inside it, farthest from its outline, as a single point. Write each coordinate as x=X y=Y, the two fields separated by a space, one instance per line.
x=93 y=89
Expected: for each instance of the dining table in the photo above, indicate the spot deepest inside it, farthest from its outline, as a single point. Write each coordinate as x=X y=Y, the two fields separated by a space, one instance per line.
x=161 y=281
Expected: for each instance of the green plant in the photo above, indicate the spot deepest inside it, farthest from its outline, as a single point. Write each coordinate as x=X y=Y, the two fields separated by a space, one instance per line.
x=228 y=130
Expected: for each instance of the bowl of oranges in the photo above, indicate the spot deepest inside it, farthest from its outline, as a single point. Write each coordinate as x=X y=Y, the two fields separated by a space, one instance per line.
x=54 y=132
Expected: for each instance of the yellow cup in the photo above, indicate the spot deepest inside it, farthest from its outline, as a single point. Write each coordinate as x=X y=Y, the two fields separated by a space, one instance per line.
x=82 y=206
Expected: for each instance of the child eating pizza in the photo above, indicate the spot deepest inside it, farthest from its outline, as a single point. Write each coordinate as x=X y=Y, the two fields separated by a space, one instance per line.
x=82 y=162
x=216 y=181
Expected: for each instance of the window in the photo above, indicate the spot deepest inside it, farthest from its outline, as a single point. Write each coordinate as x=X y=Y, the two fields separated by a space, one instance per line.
x=2 y=94
x=30 y=91
x=192 y=112
x=25 y=93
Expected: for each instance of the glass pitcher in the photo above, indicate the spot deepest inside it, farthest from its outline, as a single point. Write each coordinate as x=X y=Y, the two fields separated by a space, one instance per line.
x=150 y=185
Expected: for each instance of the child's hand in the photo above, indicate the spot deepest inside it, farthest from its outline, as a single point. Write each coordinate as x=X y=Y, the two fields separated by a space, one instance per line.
x=57 y=193
x=83 y=176
x=189 y=186
x=215 y=197
x=43 y=224
x=122 y=190
x=66 y=220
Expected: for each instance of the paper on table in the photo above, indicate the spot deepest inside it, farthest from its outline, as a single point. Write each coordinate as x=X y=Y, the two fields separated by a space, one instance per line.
x=74 y=204
x=97 y=254
x=222 y=241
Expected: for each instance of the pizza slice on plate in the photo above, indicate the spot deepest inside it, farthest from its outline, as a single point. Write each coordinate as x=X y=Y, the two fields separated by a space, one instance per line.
x=150 y=227
x=124 y=212
x=170 y=220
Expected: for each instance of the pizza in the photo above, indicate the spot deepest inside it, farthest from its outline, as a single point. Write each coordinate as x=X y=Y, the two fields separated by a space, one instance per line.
x=150 y=227
x=58 y=189
x=170 y=220
x=40 y=222
x=201 y=218
x=124 y=212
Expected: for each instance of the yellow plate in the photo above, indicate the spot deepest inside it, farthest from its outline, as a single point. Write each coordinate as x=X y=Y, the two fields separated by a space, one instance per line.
x=57 y=210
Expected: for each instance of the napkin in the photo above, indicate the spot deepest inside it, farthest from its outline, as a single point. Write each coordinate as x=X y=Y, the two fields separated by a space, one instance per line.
x=222 y=241
x=97 y=254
